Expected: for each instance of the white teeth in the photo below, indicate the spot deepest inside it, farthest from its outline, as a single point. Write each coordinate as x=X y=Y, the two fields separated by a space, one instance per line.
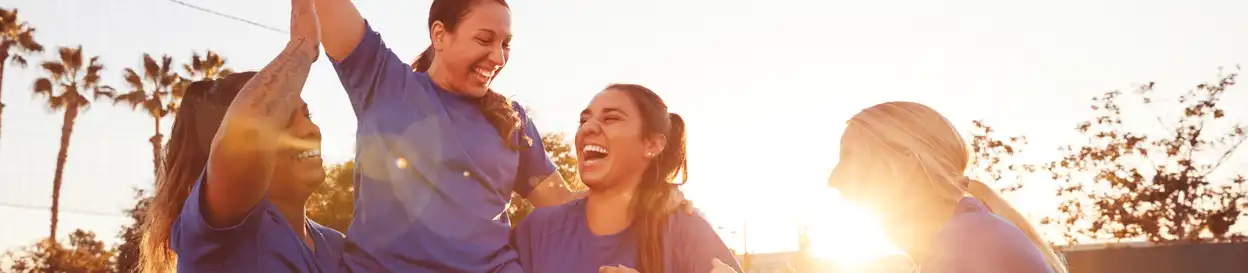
x=485 y=73
x=308 y=154
x=595 y=148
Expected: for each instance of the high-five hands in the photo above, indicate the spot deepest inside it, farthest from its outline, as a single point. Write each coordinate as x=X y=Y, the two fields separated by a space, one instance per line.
x=305 y=31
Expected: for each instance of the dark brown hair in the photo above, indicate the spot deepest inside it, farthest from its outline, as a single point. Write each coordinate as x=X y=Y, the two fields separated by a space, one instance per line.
x=652 y=204
x=496 y=107
x=186 y=154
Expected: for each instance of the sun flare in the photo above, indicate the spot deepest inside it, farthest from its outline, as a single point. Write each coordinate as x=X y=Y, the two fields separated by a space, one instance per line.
x=845 y=234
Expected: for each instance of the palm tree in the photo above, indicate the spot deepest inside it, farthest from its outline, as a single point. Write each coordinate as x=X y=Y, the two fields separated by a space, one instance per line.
x=210 y=67
x=63 y=88
x=16 y=40
x=153 y=91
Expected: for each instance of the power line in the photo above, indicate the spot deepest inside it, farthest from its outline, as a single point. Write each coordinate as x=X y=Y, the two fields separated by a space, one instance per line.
x=232 y=17
x=67 y=211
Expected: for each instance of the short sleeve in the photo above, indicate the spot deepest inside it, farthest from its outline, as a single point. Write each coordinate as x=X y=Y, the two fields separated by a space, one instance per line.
x=985 y=243
x=372 y=73
x=192 y=237
x=535 y=164
x=698 y=244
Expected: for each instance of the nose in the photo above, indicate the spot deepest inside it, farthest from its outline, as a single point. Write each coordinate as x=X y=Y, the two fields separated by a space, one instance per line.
x=307 y=130
x=589 y=128
x=499 y=56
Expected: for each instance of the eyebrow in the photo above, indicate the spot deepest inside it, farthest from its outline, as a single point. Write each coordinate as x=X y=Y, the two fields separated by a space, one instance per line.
x=494 y=33
x=605 y=111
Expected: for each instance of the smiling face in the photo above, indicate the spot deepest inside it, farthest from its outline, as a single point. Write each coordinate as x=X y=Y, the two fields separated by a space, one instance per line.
x=299 y=168
x=611 y=143
x=477 y=48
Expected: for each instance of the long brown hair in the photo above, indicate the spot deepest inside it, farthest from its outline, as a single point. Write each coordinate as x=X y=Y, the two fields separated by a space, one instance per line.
x=186 y=154
x=651 y=205
x=497 y=108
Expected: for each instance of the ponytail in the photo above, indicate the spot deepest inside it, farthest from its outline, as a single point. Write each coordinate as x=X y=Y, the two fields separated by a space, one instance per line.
x=652 y=203
x=1002 y=208
x=496 y=108
x=422 y=63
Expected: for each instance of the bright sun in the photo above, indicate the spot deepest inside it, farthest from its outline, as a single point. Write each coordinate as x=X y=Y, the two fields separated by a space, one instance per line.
x=845 y=234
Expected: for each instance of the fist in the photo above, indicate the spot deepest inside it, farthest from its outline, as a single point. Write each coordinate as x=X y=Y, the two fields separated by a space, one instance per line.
x=304 y=27
x=616 y=269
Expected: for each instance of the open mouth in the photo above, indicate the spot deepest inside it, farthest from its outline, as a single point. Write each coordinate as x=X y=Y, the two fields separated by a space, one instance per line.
x=308 y=154
x=594 y=153
x=484 y=74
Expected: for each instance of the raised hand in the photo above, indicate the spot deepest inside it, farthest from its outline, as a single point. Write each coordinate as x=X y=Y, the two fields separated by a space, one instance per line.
x=305 y=31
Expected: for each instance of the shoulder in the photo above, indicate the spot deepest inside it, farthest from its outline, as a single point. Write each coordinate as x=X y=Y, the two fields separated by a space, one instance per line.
x=981 y=239
x=553 y=216
x=691 y=228
x=984 y=227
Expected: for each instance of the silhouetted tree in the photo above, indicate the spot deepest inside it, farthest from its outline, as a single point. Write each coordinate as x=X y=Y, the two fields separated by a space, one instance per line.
x=992 y=158
x=1127 y=183
x=66 y=87
x=85 y=254
x=332 y=205
x=131 y=235
x=17 y=40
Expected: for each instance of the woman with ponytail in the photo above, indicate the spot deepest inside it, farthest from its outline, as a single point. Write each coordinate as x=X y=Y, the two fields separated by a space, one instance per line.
x=905 y=162
x=438 y=152
x=631 y=150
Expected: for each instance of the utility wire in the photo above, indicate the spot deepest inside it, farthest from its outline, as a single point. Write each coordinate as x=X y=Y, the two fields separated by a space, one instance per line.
x=68 y=211
x=232 y=17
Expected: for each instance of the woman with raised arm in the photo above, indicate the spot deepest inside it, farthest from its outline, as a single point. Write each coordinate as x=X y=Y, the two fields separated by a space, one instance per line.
x=241 y=162
x=905 y=162
x=631 y=150
x=438 y=153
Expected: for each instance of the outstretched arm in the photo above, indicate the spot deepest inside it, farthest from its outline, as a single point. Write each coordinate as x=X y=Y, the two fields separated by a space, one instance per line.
x=342 y=27
x=240 y=162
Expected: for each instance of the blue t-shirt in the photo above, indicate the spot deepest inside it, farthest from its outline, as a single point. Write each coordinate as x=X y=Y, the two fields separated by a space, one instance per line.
x=433 y=176
x=978 y=241
x=262 y=242
x=558 y=239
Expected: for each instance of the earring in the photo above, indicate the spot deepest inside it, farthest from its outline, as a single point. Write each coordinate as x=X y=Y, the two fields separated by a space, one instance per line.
x=649 y=154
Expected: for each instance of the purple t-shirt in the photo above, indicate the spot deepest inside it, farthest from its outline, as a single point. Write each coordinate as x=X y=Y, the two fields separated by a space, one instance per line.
x=433 y=177
x=262 y=242
x=978 y=241
x=558 y=239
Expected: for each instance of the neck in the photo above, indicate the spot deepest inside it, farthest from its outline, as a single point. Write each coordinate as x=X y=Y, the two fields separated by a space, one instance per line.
x=440 y=78
x=607 y=210
x=294 y=213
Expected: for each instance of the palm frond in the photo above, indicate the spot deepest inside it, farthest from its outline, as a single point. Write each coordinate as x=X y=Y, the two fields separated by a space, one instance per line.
x=43 y=87
x=133 y=98
x=151 y=71
x=103 y=92
x=26 y=39
x=19 y=61
x=132 y=79
x=56 y=69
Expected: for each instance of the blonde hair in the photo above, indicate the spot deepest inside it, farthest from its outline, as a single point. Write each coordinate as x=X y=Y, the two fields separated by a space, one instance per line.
x=887 y=136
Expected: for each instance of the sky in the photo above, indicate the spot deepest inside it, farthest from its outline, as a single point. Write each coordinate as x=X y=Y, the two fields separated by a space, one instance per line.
x=765 y=86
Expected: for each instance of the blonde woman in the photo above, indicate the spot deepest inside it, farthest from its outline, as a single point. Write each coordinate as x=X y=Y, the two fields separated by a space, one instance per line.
x=905 y=162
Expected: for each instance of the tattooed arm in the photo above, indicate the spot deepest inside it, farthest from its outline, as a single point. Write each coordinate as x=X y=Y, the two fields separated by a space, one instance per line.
x=240 y=161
